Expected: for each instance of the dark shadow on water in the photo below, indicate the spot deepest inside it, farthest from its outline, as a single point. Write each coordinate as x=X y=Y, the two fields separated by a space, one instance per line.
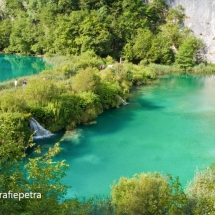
x=109 y=122
x=148 y=105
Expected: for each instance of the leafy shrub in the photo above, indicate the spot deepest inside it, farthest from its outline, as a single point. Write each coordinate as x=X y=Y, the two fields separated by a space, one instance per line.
x=86 y=80
x=201 y=192
x=148 y=194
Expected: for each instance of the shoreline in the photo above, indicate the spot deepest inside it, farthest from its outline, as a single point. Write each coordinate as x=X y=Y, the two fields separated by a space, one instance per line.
x=17 y=54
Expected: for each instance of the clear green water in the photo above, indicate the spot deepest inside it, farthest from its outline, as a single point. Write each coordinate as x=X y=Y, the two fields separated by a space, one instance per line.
x=168 y=127
x=12 y=66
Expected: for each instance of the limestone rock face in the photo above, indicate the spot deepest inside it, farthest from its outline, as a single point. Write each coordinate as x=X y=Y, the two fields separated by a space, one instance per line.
x=200 y=17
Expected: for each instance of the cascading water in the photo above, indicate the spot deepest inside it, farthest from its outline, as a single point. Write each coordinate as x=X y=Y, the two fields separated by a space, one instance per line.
x=122 y=100
x=39 y=131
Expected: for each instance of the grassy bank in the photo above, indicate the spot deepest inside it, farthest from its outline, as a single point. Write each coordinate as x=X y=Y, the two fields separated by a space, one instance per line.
x=77 y=90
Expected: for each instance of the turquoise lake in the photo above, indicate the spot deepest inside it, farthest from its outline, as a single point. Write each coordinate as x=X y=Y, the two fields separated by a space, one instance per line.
x=167 y=127
x=12 y=66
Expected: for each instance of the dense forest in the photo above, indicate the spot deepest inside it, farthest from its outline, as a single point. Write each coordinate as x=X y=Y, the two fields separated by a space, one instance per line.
x=139 y=31
x=77 y=37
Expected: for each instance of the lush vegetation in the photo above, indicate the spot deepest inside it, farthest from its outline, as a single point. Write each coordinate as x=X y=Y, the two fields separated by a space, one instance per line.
x=82 y=35
x=73 y=93
x=139 y=31
x=22 y=174
x=153 y=193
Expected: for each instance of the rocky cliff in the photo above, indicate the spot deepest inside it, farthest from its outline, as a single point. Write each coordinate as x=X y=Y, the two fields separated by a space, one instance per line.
x=200 y=17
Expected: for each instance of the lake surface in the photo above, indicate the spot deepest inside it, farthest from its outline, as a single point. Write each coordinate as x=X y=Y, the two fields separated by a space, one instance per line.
x=12 y=66
x=167 y=127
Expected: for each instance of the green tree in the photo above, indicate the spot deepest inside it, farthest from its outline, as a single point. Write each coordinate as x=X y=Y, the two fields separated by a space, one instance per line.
x=176 y=16
x=172 y=34
x=179 y=199
x=108 y=92
x=142 y=43
x=201 y=192
x=12 y=102
x=160 y=51
x=5 y=31
x=185 y=57
x=66 y=31
x=14 y=8
x=142 y=194
x=94 y=34
x=22 y=37
x=156 y=14
x=149 y=193
x=44 y=38
x=41 y=174
x=33 y=7
x=86 y=80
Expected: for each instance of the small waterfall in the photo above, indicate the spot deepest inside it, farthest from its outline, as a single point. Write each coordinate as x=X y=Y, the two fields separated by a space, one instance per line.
x=40 y=132
x=122 y=100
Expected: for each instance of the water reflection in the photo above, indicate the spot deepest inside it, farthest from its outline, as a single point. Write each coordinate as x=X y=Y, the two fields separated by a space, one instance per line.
x=17 y=66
